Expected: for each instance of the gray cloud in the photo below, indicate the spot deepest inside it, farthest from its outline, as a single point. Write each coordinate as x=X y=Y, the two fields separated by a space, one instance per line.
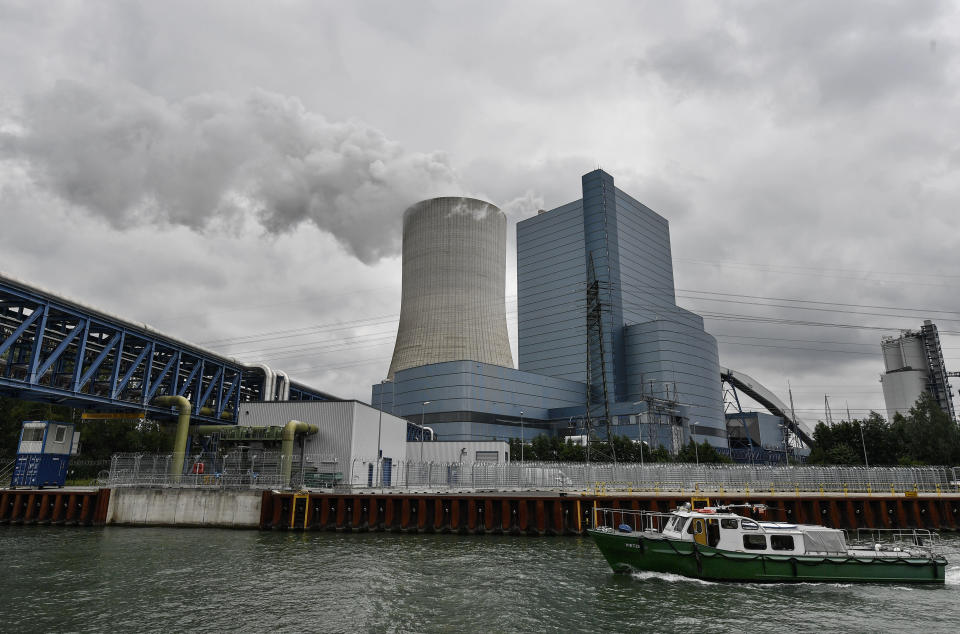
x=133 y=157
x=808 y=55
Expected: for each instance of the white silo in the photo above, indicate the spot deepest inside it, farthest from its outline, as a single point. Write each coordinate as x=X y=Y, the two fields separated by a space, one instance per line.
x=454 y=269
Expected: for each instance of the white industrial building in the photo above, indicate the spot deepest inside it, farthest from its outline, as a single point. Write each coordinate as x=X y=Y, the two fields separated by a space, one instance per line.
x=352 y=434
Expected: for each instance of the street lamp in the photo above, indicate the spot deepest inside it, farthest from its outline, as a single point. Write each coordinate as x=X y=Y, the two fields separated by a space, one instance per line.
x=863 y=443
x=640 y=435
x=379 y=431
x=521 y=436
x=422 y=405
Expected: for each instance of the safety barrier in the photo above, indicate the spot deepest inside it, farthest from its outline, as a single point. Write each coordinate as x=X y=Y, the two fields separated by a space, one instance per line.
x=263 y=470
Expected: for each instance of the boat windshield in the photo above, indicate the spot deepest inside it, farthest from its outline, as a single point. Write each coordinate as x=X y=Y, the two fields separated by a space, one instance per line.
x=676 y=524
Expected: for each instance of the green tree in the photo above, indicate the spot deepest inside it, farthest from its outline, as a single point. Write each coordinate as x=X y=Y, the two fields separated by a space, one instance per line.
x=703 y=452
x=929 y=435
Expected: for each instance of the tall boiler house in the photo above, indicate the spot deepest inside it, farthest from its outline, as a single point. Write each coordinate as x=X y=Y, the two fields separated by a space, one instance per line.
x=454 y=267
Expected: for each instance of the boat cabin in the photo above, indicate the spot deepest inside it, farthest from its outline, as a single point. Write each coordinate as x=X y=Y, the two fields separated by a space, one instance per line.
x=731 y=532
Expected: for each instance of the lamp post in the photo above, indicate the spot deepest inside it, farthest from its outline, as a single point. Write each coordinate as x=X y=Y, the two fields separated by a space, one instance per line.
x=640 y=436
x=521 y=436
x=863 y=443
x=379 y=431
x=696 y=448
x=422 y=406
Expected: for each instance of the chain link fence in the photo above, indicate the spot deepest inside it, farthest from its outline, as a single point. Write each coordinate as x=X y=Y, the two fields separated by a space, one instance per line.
x=265 y=470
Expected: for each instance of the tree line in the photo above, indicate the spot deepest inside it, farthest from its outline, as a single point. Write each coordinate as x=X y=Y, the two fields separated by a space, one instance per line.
x=925 y=436
x=99 y=439
x=545 y=448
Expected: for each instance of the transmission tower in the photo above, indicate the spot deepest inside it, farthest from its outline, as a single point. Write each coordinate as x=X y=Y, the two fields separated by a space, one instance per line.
x=595 y=343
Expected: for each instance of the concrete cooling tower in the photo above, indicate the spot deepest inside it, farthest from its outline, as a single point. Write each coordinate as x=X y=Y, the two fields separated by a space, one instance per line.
x=454 y=268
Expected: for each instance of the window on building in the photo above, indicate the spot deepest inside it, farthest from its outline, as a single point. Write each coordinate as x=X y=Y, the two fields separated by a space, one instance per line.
x=32 y=434
x=487 y=456
x=755 y=542
x=781 y=542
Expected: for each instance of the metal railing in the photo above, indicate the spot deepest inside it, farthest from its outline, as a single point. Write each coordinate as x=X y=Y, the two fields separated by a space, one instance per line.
x=252 y=470
x=665 y=478
x=265 y=470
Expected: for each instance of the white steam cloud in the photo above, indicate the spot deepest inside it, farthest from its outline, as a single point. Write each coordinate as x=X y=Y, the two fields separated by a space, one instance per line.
x=133 y=157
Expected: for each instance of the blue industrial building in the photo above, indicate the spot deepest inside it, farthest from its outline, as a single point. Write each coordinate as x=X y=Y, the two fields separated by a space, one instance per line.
x=602 y=343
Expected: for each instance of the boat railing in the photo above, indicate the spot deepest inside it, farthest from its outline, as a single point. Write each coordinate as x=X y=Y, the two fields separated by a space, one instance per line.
x=637 y=520
x=894 y=538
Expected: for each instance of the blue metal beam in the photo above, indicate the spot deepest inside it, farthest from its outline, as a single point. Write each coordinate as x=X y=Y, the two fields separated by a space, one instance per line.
x=213 y=384
x=38 y=344
x=19 y=331
x=115 y=374
x=42 y=370
x=99 y=360
x=156 y=385
x=133 y=368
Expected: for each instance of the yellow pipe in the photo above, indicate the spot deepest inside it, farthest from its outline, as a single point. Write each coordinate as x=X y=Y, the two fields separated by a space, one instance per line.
x=183 y=426
x=290 y=431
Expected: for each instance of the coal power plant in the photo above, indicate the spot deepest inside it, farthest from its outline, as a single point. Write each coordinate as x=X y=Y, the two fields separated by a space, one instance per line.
x=603 y=347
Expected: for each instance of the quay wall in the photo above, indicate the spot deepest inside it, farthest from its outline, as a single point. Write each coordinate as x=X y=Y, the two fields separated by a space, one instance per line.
x=185 y=507
x=571 y=514
x=514 y=513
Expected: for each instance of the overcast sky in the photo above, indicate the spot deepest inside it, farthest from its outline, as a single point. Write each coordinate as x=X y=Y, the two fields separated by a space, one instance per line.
x=234 y=173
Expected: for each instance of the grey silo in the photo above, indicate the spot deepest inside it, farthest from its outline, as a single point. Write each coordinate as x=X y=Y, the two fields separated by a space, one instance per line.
x=454 y=268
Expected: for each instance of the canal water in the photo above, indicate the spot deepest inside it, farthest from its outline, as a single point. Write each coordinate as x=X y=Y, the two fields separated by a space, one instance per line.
x=203 y=580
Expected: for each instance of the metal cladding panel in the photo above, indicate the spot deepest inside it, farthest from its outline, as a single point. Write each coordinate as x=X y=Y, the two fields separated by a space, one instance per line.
x=914 y=353
x=334 y=418
x=551 y=294
x=892 y=355
x=902 y=389
x=602 y=259
x=457 y=451
x=454 y=268
x=662 y=354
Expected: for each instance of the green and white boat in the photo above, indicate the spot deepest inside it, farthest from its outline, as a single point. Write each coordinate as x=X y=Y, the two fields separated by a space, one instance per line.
x=717 y=544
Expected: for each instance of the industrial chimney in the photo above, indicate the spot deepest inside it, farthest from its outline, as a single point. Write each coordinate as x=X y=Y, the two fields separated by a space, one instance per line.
x=454 y=265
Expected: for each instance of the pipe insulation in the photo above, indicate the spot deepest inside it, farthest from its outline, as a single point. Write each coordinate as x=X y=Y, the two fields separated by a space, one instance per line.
x=183 y=427
x=290 y=430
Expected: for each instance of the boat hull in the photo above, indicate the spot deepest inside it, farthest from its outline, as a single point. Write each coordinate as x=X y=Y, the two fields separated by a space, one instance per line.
x=633 y=552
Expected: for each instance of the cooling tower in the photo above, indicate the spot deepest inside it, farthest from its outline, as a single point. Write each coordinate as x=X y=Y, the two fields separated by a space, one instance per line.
x=454 y=265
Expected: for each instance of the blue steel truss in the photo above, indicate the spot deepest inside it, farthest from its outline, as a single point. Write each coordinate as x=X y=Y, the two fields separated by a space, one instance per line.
x=57 y=351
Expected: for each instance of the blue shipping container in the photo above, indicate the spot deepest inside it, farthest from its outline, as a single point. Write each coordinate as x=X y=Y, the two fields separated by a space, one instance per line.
x=40 y=470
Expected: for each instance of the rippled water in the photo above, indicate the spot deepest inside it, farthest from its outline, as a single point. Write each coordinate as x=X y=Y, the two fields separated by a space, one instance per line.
x=173 y=580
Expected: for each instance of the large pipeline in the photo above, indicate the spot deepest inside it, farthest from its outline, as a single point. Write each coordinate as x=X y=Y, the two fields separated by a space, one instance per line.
x=183 y=426
x=289 y=434
x=290 y=430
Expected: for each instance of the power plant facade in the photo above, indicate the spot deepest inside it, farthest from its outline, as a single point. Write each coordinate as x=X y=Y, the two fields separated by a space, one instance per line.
x=602 y=346
x=914 y=364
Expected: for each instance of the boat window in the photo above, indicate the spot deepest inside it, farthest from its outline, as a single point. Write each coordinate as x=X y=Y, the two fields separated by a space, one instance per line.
x=680 y=522
x=728 y=523
x=755 y=542
x=781 y=542
x=749 y=525
x=61 y=433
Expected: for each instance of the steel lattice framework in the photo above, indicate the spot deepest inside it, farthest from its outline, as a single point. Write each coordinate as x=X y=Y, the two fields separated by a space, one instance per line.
x=56 y=350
